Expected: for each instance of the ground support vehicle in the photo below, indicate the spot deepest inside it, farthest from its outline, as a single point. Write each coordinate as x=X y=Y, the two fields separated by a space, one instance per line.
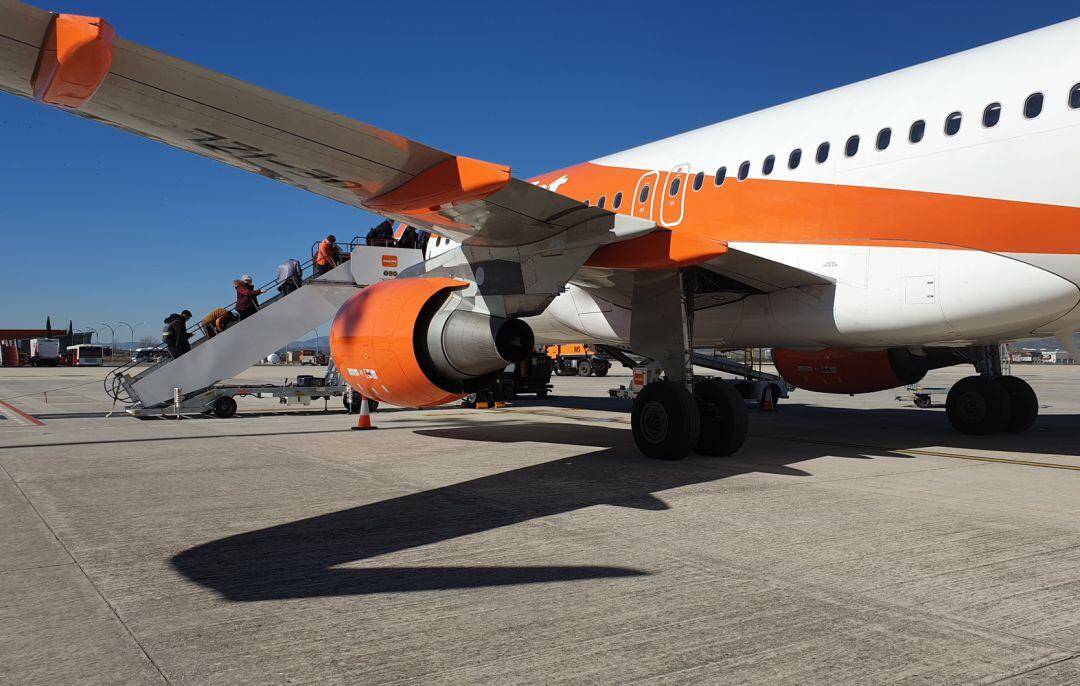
x=757 y=388
x=578 y=359
x=530 y=376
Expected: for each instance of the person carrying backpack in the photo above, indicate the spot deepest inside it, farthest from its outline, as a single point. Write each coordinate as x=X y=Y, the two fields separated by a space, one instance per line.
x=174 y=335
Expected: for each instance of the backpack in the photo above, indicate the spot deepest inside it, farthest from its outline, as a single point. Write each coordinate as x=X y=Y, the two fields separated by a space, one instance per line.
x=168 y=335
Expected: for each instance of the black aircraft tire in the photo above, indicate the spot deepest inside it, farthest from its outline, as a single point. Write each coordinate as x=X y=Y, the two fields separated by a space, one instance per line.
x=978 y=406
x=724 y=419
x=665 y=421
x=1025 y=404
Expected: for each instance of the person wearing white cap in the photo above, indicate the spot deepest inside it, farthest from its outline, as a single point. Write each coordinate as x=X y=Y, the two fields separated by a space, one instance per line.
x=247 y=301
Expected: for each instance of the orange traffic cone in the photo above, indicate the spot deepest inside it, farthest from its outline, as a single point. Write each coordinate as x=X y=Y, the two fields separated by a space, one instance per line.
x=363 y=422
x=767 y=402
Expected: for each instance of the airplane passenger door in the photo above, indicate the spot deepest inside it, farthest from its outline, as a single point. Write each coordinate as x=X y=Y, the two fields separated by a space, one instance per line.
x=644 y=194
x=673 y=195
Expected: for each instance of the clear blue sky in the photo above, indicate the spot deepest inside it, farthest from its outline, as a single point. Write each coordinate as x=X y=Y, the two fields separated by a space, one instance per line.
x=99 y=225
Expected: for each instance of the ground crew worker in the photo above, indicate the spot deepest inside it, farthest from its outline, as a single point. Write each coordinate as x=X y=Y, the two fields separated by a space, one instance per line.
x=325 y=258
x=217 y=321
x=289 y=276
x=175 y=335
x=247 y=301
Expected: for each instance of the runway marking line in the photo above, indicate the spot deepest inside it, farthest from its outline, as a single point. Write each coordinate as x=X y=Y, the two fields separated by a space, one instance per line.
x=20 y=416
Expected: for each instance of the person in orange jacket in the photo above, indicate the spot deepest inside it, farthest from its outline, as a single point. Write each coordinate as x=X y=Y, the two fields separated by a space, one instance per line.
x=325 y=259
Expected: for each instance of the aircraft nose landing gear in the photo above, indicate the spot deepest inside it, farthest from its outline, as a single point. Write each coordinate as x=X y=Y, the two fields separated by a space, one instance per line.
x=991 y=403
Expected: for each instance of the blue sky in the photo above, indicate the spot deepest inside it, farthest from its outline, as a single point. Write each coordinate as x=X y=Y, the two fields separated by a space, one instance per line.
x=100 y=226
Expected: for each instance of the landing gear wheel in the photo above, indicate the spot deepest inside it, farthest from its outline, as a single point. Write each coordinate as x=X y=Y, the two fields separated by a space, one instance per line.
x=584 y=368
x=224 y=407
x=724 y=420
x=978 y=406
x=357 y=399
x=665 y=421
x=1025 y=404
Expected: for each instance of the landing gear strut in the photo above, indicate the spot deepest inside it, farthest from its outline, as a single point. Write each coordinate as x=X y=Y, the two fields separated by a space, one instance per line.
x=675 y=416
x=991 y=403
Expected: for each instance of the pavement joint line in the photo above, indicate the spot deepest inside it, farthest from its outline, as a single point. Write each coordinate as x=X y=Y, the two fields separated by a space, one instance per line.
x=929 y=453
x=1073 y=656
x=79 y=566
x=30 y=569
x=903 y=451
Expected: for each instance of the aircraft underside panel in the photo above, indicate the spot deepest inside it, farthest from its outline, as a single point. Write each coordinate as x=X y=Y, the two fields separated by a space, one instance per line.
x=882 y=296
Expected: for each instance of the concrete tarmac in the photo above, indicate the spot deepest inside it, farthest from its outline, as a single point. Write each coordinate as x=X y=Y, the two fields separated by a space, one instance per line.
x=852 y=541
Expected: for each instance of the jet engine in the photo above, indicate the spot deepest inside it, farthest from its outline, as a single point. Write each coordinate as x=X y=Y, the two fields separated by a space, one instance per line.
x=410 y=342
x=837 y=370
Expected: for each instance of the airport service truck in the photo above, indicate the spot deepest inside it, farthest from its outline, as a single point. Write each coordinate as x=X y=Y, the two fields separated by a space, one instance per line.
x=44 y=352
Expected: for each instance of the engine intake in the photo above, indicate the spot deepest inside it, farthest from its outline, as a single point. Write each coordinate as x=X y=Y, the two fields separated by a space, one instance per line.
x=408 y=342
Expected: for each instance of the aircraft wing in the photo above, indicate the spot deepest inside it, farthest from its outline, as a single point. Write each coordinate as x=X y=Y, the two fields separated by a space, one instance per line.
x=78 y=63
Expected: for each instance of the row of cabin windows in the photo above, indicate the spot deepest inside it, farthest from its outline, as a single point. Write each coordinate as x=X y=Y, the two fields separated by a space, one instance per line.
x=991 y=115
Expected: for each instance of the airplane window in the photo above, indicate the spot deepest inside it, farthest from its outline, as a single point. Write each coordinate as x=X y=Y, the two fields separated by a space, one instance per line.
x=601 y=201
x=794 y=158
x=852 y=146
x=1033 y=105
x=644 y=194
x=721 y=174
x=673 y=189
x=438 y=241
x=918 y=130
x=952 y=123
x=699 y=179
x=744 y=170
x=767 y=165
x=617 y=201
x=884 y=137
x=992 y=114
x=1074 y=97
x=822 y=152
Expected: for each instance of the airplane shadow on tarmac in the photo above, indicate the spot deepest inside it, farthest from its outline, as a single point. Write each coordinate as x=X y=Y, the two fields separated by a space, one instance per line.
x=298 y=559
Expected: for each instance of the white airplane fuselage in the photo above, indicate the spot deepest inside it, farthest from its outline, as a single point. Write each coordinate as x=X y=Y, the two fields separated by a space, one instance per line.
x=952 y=238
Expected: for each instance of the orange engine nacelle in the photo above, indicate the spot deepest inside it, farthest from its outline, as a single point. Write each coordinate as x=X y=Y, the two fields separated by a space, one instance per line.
x=406 y=342
x=837 y=370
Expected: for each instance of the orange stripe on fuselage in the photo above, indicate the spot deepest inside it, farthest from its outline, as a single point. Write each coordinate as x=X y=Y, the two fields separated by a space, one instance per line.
x=773 y=211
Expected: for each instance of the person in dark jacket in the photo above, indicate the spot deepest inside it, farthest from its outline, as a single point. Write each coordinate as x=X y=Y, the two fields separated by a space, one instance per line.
x=382 y=234
x=409 y=238
x=176 y=337
x=247 y=300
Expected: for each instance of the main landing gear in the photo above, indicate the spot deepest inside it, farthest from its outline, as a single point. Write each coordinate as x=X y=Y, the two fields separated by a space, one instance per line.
x=991 y=403
x=676 y=416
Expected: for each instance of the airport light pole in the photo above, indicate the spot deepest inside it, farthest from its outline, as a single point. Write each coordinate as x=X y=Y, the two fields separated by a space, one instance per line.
x=132 y=330
x=112 y=330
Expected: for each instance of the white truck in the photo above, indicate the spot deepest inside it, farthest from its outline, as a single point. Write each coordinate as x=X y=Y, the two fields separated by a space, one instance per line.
x=44 y=352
